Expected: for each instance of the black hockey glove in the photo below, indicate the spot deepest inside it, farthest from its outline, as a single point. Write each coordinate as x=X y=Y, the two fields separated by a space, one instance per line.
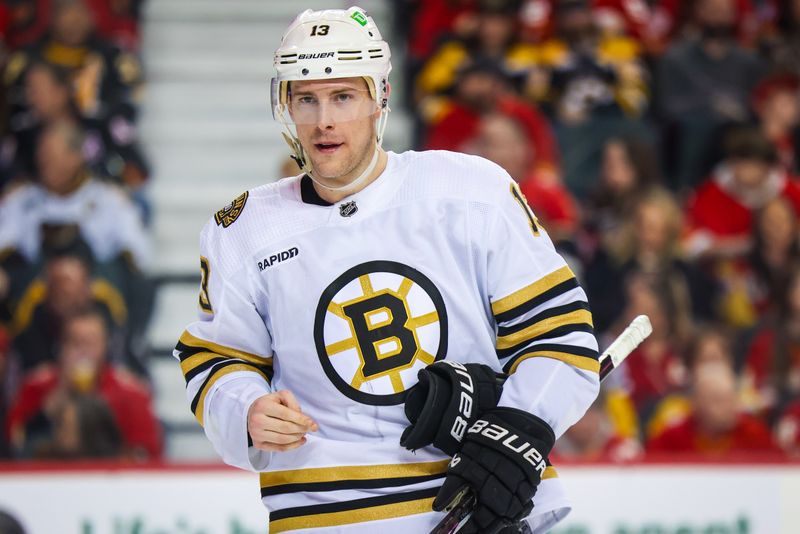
x=448 y=398
x=502 y=461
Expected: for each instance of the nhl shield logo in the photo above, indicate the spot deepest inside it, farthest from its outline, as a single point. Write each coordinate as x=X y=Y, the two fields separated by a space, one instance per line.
x=348 y=208
x=228 y=215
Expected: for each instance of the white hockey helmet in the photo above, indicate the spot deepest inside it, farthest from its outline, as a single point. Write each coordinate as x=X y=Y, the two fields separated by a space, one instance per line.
x=330 y=44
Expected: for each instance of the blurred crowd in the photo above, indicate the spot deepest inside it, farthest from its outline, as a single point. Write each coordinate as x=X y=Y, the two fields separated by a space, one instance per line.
x=657 y=141
x=74 y=237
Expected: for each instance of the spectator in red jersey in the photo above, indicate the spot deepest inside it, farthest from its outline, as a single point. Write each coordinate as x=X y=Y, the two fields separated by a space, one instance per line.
x=708 y=344
x=27 y=21
x=716 y=426
x=438 y=19
x=746 y=180
x=704 y=83
x=594 y=438
x=502 y=138
x=118 y=21
x=83 y=368
x=483 y=88
x=772 y=364
x=776 y=101
x=787 y=430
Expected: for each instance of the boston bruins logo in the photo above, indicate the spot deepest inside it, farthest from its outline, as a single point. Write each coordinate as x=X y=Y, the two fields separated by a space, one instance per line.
x=376 y=326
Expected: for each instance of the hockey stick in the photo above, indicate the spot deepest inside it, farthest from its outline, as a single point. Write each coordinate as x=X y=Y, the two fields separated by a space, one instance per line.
x=460 y=510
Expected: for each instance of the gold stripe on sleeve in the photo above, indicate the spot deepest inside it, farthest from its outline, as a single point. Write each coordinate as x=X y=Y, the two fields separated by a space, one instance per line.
x=348 y=517
x=542 y=327
x=527 y=293
x=192 y=341
x=197 y=359
x=581 y=362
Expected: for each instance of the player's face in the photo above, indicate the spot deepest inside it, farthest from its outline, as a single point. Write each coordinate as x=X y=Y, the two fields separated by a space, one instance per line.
x=335 y=121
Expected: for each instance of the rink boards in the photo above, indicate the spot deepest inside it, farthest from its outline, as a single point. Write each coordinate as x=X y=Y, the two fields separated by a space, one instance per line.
x=720 y=498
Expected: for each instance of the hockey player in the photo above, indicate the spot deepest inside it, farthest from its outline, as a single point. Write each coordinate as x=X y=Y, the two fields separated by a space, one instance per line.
x=375 y=290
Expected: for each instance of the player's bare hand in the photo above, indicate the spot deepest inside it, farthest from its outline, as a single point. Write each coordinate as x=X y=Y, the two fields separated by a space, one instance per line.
x=276 y=422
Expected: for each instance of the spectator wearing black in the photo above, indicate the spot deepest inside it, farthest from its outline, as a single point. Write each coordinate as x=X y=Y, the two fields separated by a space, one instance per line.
x=494 y=40
x=110 y=143
x=628 y=170
x=66 y=288
x=776 y=251
x=106 y=79
x=783 y=47
x=704 y=83
x=593 y=85
x=649 y=248
x=772 y=363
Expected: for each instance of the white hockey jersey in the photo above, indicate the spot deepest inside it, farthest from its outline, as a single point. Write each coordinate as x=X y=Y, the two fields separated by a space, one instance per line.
x=343 y=304
x=107 y=219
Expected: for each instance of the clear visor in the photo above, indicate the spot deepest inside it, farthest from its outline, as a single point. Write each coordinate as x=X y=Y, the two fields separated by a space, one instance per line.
x=323 y=104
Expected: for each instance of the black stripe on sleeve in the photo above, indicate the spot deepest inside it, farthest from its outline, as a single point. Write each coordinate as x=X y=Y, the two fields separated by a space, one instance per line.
x=550 y=312
x=554 y=333
x=568 y=349
x=186 y=351
x=356 y=504
x=205 y=366
x=541 y=298
x=348 y=484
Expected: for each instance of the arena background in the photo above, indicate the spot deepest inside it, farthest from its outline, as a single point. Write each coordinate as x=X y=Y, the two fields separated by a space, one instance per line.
x=203 y=123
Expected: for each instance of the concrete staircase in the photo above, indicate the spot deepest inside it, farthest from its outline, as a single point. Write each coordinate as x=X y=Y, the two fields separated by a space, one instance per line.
x=207 y=127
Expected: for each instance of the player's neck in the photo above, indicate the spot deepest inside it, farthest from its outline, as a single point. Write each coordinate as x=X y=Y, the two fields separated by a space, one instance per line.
x=335 y=196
